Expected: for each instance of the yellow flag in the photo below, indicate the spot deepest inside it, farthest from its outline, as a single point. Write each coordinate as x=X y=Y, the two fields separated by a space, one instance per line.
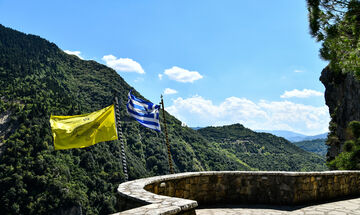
x=84 y=130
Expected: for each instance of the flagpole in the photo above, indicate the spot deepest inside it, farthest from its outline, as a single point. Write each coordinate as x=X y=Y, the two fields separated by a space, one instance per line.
x=167 y=138
x=120 y=137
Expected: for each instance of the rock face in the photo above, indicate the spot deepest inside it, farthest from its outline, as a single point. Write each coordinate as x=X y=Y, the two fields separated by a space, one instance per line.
x=342 y=96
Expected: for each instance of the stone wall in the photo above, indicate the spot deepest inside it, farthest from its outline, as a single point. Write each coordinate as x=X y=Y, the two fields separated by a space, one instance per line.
x=181 y=193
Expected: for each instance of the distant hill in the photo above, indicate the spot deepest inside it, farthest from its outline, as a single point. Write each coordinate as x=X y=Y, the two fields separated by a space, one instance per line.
x=315 y=137
x=317 y=146
x=293 y=136
x=262 y=151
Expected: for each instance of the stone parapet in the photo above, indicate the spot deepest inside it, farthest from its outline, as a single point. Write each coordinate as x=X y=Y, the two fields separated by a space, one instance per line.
x=181 y=193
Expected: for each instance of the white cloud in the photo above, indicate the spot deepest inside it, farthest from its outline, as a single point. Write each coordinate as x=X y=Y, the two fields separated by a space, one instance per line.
x=182 y=75
x=298 y=71
x=160 y=76
x=123 y=64
x=305 y=93
x=169 y=91
x=263 y=115
x=139 y=80
x=76 y=53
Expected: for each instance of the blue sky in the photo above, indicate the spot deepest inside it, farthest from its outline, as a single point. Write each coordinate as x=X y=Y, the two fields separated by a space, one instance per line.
x=217 y=62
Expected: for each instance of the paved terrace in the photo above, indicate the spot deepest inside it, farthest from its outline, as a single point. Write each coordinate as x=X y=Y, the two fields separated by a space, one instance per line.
x=339 y=207
x=242 y=192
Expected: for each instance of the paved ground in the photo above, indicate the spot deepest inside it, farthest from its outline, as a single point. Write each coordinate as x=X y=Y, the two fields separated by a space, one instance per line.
x=342 y=207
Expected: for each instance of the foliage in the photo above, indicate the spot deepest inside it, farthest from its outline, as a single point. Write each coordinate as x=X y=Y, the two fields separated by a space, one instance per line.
x=337 y=24
x=262 y=151
x=349 y=158
x=317 y=146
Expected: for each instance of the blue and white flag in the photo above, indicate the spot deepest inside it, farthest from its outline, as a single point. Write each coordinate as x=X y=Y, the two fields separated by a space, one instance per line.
x=144 y=112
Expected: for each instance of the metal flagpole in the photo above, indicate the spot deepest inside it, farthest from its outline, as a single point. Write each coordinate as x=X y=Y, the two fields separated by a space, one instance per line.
x=167 y=139
x=120 y=137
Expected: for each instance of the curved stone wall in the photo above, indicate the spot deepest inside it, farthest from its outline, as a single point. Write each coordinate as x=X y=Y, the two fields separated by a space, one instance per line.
x=181 y=193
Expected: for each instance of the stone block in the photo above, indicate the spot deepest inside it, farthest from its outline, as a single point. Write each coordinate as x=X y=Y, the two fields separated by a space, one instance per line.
x=204 y=187
x=156 y=190
x=186 y=194
x=285 y=187
x=180 y=184
x=187 y=187
x=179 y=193
x=306 y=186
x=342 y=180
x=314 y=185
x=170 y=191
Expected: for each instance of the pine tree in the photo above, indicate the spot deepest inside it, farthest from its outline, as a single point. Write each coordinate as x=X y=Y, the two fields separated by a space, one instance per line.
x=336 y=23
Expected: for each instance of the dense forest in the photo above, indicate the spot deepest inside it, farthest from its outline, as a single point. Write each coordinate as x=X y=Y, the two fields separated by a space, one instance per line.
x=38 y=79
x=317 y=146
x=262 y=151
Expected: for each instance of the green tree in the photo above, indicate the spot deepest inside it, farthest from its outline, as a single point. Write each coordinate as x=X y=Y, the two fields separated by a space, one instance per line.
x=349 y=158
x=336 y=23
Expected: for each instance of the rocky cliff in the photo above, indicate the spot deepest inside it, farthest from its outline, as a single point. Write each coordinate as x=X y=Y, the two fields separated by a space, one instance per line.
x=342 y=97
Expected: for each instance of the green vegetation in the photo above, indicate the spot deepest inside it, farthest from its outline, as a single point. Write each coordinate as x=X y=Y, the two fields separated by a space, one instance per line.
x=262 y=151
x=349 y=158
x=337 y=24
x=38 y=79
x=317 y=146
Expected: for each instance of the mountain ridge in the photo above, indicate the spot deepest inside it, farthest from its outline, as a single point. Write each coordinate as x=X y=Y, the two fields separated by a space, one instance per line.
x=294 y=136
x=252 y=147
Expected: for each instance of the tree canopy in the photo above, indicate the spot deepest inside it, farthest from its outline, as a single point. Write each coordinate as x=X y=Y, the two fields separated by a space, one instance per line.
x=336 y=23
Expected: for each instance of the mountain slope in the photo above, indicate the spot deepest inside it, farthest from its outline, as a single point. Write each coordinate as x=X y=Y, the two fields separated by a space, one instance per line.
x=38 y=79
x=317 y=146
x=262 y=151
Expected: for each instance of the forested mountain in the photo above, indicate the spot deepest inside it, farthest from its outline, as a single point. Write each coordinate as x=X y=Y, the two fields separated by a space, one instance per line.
x=317 y=146
x=38 y=79
x=262 y=151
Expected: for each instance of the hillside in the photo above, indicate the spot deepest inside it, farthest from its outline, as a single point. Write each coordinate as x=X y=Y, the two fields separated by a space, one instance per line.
x=317 y=146
x=38 y=79
x=262 y=151
x=293 y=136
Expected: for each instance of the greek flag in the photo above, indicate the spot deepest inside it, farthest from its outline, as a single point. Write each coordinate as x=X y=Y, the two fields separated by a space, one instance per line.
x=144 y=112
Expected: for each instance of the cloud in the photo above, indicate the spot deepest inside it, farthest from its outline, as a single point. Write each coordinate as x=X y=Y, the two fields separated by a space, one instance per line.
x=160 y=76
x=76 y=53
x=305 y=93
x=298 y=71
x=263 y=115
x=182 y=75
x=139 y=80
x=169 y=91
x=123 y=64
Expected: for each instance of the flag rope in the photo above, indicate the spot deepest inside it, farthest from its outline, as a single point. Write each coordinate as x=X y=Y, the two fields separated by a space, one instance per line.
x=120 y=137
x=167 y=138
